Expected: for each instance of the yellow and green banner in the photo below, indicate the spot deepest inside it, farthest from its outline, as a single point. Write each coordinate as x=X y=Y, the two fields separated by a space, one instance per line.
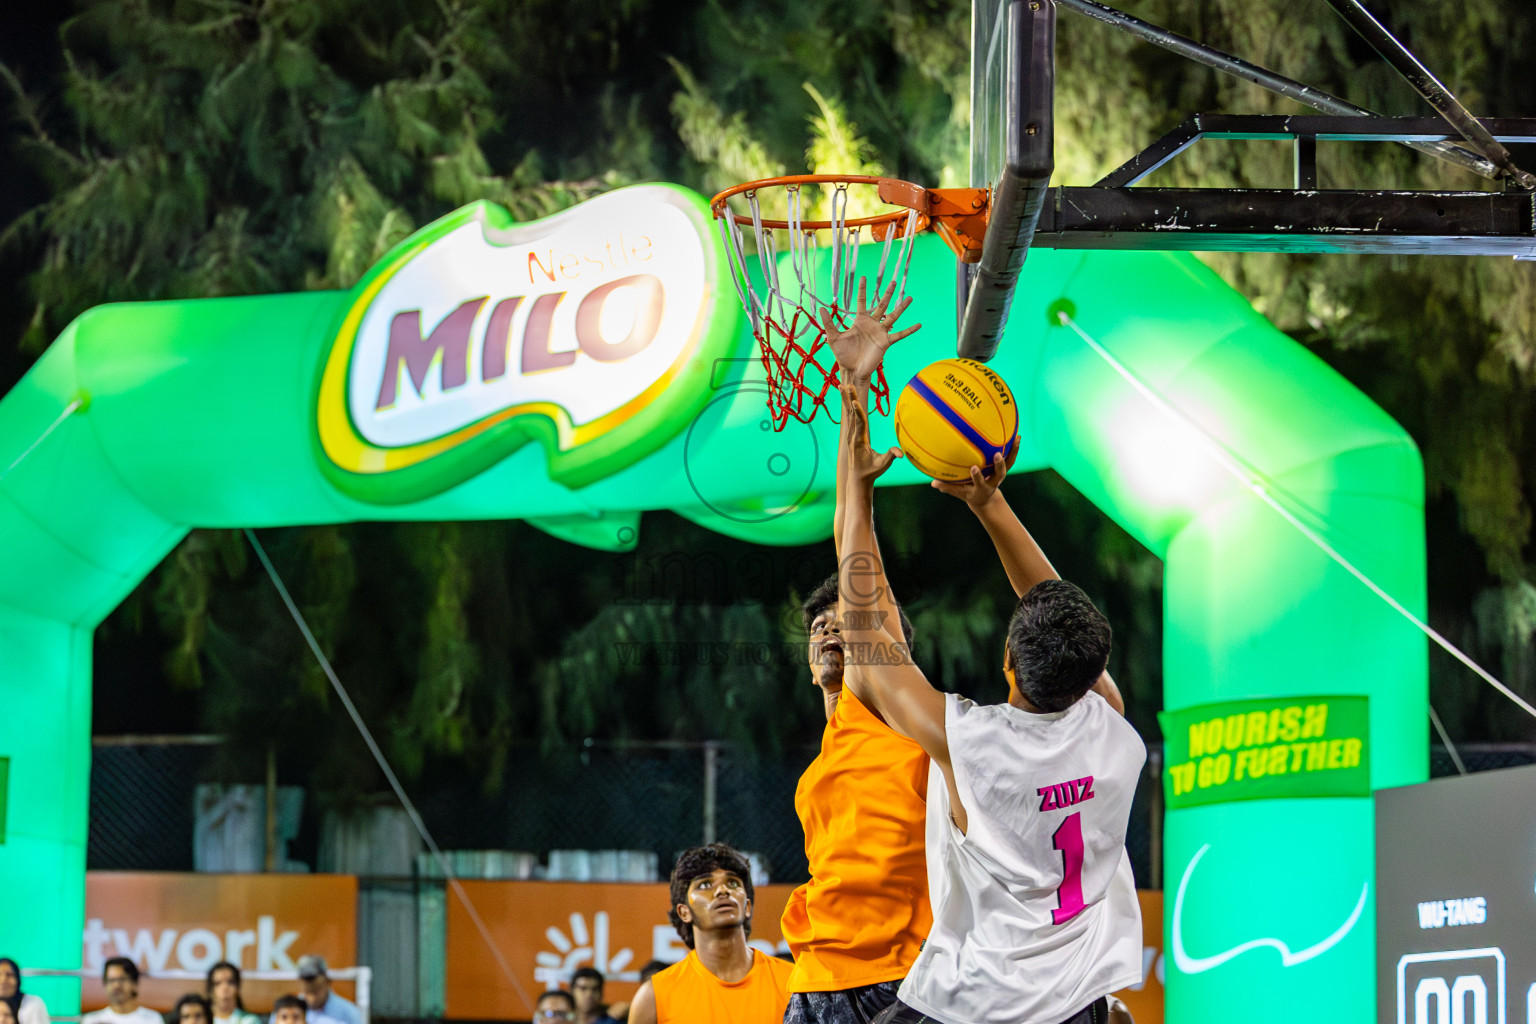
x=1266 y=750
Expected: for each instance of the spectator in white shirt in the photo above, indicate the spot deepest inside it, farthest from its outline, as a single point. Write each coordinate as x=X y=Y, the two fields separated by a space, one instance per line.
x=120 y=977
x=26 y=1009
x=224 y=996
x=325 y=1006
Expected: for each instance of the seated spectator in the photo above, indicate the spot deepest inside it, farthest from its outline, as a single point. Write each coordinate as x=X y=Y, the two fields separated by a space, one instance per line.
x=289 y=1010
x=223 y=993
x=191 y=1009
x=620 y=1010
x=554 y=1007
x=26 y=1009
x=587 y=993
x=325 y=1005
x=120 y=977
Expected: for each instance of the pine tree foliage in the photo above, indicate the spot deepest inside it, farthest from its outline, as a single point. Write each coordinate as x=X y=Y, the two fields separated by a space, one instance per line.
x=245 y=146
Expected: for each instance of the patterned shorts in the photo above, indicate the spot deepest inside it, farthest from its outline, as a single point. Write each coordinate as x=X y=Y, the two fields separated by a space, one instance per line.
x=899 y=1012
x=851 y=1006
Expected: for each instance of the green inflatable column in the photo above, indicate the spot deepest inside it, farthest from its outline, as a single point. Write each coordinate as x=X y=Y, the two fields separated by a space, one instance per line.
x=45 y=688
x=1275 y=916
x=76 y=540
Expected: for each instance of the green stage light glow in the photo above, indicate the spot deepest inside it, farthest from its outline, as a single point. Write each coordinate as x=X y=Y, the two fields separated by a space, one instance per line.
x=276 y=410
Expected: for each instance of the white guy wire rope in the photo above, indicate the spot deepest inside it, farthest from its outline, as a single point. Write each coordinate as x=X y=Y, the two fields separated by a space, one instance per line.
x=1450 y=748
x=1254 y=481
x=394 y=782
x=69 y=410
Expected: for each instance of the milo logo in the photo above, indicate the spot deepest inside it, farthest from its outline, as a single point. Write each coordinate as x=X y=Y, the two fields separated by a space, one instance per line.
x=590 y=331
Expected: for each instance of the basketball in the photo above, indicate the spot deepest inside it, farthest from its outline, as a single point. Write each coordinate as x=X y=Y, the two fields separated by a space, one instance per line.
x=955 y=414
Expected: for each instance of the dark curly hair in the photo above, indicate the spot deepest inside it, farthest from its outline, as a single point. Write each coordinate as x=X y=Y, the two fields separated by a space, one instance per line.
x=1060 y=645
x=825 y=596
x=700 y=862
x=192 y=999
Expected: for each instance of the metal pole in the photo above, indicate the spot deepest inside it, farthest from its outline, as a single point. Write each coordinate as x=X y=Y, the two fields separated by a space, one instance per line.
x=271 y=858
x=1155 y=769
x=711 y=769
x=1428 y=86
x=1317 y=99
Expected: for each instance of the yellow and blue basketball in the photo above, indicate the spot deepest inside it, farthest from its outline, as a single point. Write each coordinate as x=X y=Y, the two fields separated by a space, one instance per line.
x=955 y=414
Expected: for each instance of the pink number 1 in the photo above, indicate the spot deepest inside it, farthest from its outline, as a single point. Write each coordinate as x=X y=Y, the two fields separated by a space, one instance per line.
x=1069 y=897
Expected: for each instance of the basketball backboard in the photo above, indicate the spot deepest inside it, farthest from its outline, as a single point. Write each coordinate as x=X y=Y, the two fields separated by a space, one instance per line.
x=1012 y=92
x=1013 y=45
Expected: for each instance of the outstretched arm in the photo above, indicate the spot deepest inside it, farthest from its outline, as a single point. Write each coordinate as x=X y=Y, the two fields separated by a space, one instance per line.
x=878 y=668
x=860 y=350
x=1022 y=558
x=1023 y=561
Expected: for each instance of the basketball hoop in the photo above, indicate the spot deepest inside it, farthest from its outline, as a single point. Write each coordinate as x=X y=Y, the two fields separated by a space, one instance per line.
x=824 y=262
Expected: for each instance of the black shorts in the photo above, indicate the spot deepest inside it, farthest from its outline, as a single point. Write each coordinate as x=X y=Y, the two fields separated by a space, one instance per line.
x=1097 y=1012
x=850 y=1006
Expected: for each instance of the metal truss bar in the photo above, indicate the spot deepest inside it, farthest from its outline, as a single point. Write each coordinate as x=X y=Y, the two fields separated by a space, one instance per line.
x=1154 y=156
x=1303 y=127
x=1428 y=86
x=1287 y=87
x=1260 y=220
x=1352 y=129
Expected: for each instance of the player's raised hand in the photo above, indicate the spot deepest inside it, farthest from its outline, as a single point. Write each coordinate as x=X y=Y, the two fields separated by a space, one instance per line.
x=865 y=463
x=861 y=348
x=981 y=487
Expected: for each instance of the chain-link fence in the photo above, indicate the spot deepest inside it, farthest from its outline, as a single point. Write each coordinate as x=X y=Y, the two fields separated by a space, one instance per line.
x=142 y=791
x=657 y=797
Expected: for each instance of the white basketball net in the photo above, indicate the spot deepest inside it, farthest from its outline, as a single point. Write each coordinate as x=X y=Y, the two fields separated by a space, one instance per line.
x=786 y=315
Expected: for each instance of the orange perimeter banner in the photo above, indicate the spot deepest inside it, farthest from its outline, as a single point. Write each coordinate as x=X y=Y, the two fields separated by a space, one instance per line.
x=189 y=922
x=545 y=930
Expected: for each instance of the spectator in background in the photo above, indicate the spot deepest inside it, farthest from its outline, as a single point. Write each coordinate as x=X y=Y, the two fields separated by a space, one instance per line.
x=288 y=1010
x=325 y=1006
x=26 y=1009
x=192 y=1009
x=620 y=1011
x=722 y=978
x=223 y=994
x=587 y=992
x=120 y=977
x=554 y=1007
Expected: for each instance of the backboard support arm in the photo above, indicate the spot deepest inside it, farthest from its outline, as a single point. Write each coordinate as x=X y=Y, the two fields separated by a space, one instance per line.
x=1434 y=92
x=1291 y=89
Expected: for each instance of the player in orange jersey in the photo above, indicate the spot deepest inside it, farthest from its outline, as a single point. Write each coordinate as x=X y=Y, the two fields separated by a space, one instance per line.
x=722 y=978
x=1035 y=913
x=856 y=928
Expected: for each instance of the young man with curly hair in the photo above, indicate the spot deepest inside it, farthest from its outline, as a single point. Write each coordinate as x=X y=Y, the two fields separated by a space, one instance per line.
x=721 y=978
x=856 y=928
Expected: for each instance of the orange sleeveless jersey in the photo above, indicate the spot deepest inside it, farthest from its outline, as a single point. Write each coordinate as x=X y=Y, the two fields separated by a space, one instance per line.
x=686 y=993
x=864 y=914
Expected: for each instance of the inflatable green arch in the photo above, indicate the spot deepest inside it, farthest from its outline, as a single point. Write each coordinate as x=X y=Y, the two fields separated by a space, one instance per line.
x=609 y=336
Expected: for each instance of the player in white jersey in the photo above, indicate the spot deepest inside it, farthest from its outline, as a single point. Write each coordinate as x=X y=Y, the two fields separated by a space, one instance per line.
x=1036 y=919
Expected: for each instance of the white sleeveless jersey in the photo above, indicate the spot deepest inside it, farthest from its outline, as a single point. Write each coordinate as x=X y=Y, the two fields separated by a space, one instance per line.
x=1034 y=908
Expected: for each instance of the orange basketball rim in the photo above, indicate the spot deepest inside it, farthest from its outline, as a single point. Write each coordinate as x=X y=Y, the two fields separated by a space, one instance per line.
x=823 y=265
